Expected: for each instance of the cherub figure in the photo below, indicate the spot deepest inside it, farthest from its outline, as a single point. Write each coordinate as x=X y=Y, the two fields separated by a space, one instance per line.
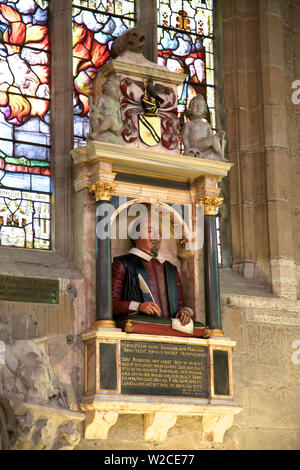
x=105 y=117
x=198 y=137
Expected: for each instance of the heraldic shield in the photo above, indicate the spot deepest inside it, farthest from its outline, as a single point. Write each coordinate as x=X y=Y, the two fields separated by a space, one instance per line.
x=149 y=129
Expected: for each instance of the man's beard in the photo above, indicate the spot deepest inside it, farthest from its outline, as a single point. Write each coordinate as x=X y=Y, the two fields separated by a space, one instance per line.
x=154 y=250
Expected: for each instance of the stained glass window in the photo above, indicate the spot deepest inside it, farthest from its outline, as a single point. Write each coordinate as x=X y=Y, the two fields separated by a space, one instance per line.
x=185 y=44
x=24 y=124
x=96 y=23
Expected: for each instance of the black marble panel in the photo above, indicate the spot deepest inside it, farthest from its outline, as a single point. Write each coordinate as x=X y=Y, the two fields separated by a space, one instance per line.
x=108 y=366
x=221 y=372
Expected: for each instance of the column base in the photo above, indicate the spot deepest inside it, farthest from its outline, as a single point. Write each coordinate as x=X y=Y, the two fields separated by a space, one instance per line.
x=104 y=324
x=217 y=332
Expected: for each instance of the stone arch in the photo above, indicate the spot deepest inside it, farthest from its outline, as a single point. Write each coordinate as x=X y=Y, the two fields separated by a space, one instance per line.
x=187 y=233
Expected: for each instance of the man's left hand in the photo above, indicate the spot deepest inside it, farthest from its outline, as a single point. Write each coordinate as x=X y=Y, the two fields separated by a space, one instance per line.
x=184 y=316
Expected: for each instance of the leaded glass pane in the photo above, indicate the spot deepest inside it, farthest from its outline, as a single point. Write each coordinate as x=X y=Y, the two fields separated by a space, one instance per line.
x=24 y=124
x=185 y=45
x=95 y=25
x=24 y=219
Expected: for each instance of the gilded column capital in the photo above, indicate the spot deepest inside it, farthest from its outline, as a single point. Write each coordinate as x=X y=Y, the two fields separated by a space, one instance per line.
x=211 y=203
x=102 y=190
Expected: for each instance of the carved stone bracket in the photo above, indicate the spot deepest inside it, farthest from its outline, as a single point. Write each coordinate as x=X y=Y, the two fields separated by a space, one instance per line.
x=102 y=413
x=211 y=203
x=102 y=191
x=157 y=425
x=98 y=423
x=214 y=427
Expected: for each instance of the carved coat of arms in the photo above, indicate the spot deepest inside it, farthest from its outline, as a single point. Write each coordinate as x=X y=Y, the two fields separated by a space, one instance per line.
x=149 y=112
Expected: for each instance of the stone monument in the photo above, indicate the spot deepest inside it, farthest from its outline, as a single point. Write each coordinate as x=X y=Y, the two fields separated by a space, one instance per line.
x=140 y=364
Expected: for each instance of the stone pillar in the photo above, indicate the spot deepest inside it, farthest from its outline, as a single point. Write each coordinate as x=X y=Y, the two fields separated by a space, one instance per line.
x=276 y=141
x=257 y=143
x=211 y=269
x=102 y=192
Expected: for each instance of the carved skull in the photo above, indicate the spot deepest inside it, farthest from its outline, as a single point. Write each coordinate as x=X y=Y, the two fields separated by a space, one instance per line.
x=136 y=40
x=132 y=40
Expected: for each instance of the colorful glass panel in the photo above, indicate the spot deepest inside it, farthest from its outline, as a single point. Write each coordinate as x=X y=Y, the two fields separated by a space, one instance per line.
x=185 y=45
x=96 y=23
x=24 y=124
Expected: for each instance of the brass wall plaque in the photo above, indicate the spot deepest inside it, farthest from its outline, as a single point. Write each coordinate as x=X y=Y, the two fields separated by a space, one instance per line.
x=29 y=289
x=150 y=368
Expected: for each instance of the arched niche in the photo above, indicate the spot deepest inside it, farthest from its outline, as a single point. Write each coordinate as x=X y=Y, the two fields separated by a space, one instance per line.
x=174 y=247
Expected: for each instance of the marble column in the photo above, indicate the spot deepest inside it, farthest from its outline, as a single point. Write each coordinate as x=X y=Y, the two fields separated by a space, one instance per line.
x=102 y=192
x=211 y=268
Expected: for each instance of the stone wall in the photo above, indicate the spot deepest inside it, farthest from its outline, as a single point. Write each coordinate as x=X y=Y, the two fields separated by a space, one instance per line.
x=266 y=378
x=266 y=366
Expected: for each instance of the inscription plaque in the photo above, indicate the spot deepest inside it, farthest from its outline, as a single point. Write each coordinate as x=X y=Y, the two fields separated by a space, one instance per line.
x=150 y=368
x=29 y=289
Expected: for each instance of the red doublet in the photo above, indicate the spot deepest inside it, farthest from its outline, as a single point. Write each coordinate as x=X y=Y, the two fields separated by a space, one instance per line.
x=156 y=276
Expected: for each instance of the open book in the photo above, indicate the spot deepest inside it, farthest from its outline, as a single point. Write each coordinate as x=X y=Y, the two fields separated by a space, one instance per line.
x=189 y=328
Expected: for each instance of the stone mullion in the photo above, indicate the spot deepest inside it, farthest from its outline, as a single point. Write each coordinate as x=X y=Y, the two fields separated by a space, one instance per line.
x=61 y=79
x=146 y=13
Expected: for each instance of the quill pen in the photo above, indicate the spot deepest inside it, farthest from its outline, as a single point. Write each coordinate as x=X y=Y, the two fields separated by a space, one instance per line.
x=144 y=287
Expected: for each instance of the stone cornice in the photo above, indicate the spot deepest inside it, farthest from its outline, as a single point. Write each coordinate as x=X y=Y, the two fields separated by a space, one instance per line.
x=135 y=64
x=143 y=162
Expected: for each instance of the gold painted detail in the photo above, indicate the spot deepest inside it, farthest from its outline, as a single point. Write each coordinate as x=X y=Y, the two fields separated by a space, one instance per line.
x=128 y=327
x=211 y=203
x=217 y=333
x=102 y=191
x=104 y=324
x=207 y=333
x=149 y=129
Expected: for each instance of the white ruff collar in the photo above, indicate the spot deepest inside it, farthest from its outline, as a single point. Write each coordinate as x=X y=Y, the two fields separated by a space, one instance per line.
x=146 y=256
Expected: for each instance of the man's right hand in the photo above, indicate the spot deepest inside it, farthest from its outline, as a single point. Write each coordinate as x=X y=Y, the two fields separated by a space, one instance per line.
x=150 y=308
